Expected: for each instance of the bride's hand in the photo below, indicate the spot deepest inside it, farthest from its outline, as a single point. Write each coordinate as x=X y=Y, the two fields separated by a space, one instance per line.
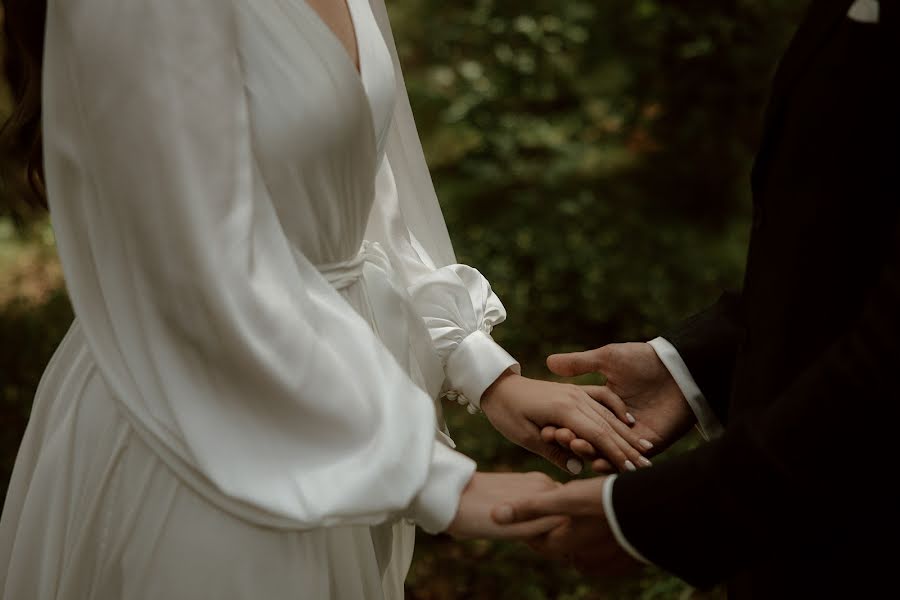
x=519 y=408
x=487 y=490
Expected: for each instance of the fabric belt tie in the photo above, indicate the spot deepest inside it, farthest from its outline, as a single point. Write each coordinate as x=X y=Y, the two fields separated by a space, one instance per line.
x=395 y=321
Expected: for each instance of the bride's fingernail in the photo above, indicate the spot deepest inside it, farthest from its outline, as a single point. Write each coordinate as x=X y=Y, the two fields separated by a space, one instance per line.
x=574 y=466
x=646 y=444
x=645 y=462
x=630 y=466
x=630 y=418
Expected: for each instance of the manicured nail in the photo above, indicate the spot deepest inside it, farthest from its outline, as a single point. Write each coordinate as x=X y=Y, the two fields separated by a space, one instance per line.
x=645 y=462
x=503 y=514
x=630 y=418
x=646 y=444
x=574 y=466
x=630 y=466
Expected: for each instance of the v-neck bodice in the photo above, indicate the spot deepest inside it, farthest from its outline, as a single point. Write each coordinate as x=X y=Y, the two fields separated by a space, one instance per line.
x=376 y=73
x=376 y=69
x=320 y=126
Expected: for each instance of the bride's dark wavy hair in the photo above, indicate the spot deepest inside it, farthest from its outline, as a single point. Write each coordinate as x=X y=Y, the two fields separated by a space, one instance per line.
x=21 y=153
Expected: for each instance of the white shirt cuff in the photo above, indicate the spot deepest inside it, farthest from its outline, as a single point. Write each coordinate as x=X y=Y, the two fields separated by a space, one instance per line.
x=709 y=424
x=475 y=364
x=434 y=508
x=614 y=523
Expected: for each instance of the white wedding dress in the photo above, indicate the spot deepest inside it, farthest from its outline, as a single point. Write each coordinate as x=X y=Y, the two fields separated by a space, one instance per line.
x=266 y=312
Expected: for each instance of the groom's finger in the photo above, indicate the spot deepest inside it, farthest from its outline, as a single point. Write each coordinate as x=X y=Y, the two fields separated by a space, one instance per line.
x=581 y=497
x=565 y=436
x=582 y=448
x=576 y=363
x=602 y=466
x=528 y=529
x=561 y=457
x=548 y=433
x=567 y=439
x=554 y=502
x=545 y=445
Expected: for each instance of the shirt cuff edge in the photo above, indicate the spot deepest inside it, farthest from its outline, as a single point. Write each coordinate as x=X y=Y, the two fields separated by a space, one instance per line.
x=707 y=422
x=475 y=364
x=614 y=526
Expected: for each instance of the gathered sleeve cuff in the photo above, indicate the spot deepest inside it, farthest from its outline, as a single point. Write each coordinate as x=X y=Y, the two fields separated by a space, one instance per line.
x=437 y=502
x=460 y=310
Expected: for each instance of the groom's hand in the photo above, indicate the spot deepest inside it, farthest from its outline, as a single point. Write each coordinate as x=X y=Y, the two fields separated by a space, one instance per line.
x=585 y=540
x=485 y=490
x=635 y=375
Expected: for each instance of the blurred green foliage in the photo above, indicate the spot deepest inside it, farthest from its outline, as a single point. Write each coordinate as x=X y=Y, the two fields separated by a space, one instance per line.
x=592 y=156
x=592 y=159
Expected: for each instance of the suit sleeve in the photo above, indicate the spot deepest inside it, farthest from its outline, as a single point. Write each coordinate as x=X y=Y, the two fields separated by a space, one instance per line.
x=708 y=344
x=774 y=481
x=807 y=473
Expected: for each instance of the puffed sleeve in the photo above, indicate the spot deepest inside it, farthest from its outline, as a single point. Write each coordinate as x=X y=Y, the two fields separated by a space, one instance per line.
x=228 y=350
x=460 y=310
x=455 y=301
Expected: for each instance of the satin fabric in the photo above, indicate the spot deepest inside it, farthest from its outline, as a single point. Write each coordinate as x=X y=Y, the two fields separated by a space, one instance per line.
x=226 y=418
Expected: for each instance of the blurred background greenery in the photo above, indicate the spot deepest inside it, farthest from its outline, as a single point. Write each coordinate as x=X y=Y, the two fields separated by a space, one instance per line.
x=592 y=158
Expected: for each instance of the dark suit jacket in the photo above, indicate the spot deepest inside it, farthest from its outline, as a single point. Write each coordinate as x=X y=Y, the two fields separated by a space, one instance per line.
x=794 y=500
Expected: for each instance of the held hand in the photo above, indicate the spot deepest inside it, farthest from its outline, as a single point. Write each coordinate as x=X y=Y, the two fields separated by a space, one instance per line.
x=636 y=376
x=585 y=540
x=519 y=407
x=486 y=490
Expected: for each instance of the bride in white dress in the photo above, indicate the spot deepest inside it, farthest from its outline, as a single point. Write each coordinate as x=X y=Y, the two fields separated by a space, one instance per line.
x=268 y=311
